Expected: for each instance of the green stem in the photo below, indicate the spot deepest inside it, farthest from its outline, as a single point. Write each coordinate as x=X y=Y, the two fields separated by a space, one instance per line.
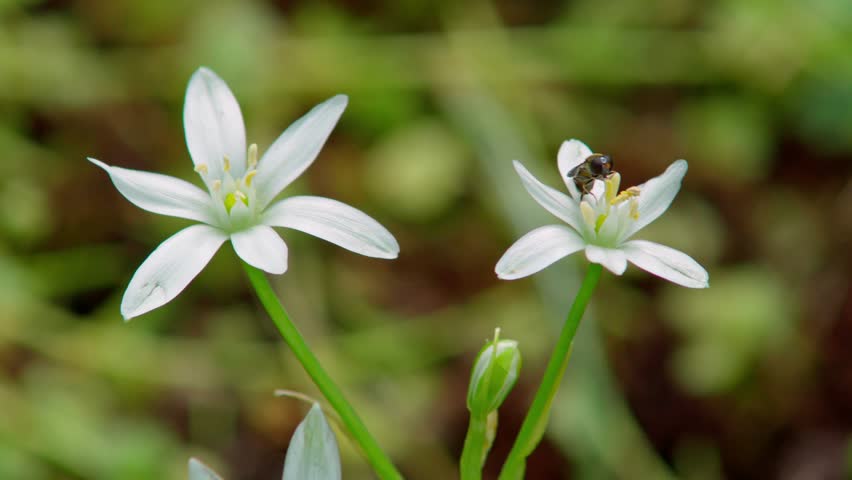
x=535 y=422
x=377 y=458
x=473 y=451
x=475 y=448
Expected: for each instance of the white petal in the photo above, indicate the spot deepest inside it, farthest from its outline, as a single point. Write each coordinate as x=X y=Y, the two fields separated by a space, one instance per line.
x=261 y=247
x=335 y=222
x=213 y=124
x=170 y=268
x=160 y=193
x=617 y=220
x=296 y=148
x=616 y=223
x=614 y=260
x=572 y=153
x=668 y=263
x=313 y=453
x=537 y=250
x=199 y=471
x=552 y=200
x=656 y=195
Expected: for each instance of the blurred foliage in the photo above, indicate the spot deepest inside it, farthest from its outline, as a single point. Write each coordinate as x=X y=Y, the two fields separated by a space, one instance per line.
x=749 y=379
x=720 y=345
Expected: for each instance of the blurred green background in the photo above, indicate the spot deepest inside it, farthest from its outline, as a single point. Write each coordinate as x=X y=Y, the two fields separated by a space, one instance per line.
x=749 y=379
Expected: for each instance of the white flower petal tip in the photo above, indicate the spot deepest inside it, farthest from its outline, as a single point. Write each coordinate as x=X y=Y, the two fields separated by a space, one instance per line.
x=261 y=247
x=667 y=263
x=571 y=153
x=313 y=453
x=206 y=71
x=335 y=222
x=674 y=174
x=537 y=250
x=170 y=268
x=678 y=167
x=340 y=101
x=160 y=193
x=199 y=471
x=98 y=163
x=297 y=148
x=213 y=123
x=388 y=251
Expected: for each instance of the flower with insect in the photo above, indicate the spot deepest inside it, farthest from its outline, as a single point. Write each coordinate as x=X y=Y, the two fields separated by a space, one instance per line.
x=601 y=223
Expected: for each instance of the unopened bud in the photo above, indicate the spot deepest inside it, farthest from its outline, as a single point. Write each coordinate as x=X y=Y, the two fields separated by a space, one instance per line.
x=494 y=374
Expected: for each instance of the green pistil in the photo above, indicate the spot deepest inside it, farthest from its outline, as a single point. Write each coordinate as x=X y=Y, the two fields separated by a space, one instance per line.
x=599 y=223
x=230 y=200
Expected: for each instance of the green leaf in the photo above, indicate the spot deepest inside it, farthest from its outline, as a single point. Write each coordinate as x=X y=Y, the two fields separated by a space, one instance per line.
x=312 y=454
x=199 y=471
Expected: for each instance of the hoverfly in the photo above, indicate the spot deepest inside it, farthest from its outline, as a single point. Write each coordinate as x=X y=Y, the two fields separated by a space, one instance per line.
x=595 y=167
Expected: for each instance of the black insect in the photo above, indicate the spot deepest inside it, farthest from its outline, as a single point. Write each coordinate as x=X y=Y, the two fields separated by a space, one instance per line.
x=595 y=167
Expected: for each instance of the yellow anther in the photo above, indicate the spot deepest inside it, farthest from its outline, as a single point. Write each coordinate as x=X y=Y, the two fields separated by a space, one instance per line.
x=631 y=192
x=634 y=209
x=201 y=168
x=588 y=212
x=249 y=177
x=226 y=163
x=252 y=155
x=216 y=185
x=612 y=183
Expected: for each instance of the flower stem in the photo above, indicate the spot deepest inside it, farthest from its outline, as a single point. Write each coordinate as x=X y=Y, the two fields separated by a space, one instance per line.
x=374 y=453
x=476 y=446
x=535 y=423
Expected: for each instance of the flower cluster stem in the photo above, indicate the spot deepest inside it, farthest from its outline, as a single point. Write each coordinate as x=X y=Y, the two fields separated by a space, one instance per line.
x=535 y=423
x=375 y=455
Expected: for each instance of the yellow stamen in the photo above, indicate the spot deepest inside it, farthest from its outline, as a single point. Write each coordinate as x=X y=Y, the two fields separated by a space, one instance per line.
x=216 y=185
x=588 y=212
x=226 y=164
x=252 y=155
x=242 y=196
x=634 y=209
x=201 y=168
x=249 y=176
x=612 y=183
x=631 y=192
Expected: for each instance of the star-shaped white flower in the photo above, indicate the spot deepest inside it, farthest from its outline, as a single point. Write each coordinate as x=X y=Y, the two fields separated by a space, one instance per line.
x=238 y=204
x=601 y=223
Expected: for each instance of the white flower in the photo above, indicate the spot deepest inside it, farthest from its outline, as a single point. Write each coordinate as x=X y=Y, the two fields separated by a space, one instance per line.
x=237 y=205
x=601 y=223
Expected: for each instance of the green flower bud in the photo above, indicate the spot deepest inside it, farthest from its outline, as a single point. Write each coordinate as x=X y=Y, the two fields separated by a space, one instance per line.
x=494 y=374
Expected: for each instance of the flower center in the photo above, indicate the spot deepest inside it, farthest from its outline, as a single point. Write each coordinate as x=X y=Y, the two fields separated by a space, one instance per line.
x=231 y=192
x=597 y=211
